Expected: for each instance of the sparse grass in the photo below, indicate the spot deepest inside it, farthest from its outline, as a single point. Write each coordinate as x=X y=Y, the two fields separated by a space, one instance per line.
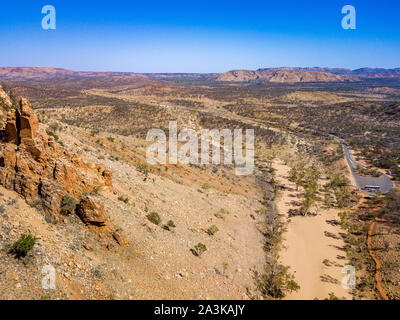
x=95 y=192
x=143 y=168
x=154 y=217
x=54 y=126
x=4 y=106
x=332 y=296
x=225 y=266
x=98 y=272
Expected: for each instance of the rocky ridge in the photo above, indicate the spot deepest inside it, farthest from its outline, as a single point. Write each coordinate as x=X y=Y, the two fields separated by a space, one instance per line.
x=281 y=76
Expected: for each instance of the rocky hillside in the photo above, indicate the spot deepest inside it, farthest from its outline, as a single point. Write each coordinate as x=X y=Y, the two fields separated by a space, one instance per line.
x=120 y=229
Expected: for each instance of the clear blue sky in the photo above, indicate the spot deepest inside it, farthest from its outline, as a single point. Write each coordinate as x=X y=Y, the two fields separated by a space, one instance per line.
x=199 y=36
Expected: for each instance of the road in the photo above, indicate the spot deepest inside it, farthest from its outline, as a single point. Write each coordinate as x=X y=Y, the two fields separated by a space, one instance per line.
x=383 y=181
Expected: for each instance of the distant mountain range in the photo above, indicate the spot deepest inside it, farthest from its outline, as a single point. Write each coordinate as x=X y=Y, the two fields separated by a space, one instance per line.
x=311 y=74
x=33 y=73
x=340 y=71
x=280 y=75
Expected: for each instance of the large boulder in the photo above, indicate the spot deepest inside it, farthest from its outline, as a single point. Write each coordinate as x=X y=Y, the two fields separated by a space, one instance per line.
x=92 y=212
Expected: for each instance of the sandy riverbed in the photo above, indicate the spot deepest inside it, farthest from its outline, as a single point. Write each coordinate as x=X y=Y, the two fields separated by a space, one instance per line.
x=313 y=247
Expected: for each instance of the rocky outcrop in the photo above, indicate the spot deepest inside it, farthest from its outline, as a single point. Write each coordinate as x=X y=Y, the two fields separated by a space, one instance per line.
x=11 y=127
x=39 y=169
x=28 y=122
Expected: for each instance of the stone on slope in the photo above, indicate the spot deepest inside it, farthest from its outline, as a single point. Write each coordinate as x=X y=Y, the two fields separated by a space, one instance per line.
x=92 y=212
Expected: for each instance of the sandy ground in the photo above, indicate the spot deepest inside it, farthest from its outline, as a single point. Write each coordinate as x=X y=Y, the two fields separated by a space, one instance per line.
x=312 y=247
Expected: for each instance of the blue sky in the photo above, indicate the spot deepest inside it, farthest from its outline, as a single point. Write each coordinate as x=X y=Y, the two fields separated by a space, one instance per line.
x=199 y=36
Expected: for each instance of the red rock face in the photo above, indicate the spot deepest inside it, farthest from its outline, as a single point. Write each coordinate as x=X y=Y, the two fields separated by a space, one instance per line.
x=22 y=124
x=38 y=168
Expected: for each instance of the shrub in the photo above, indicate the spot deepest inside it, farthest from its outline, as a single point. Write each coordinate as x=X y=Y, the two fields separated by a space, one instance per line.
x=111 y=139
x=37 y=204
x=54 y=126
x=4 y=106
x=171 y=224
x=68 y=204
x=52 y=134
x=224 y=211
x=154 y=217
x=199 y=249
x=332 y=296
x=123 y=199
x=212 y=230
x=276 y=281
x=143 y=168
x=23 y=245
x=205 y=186
x=261 y=211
